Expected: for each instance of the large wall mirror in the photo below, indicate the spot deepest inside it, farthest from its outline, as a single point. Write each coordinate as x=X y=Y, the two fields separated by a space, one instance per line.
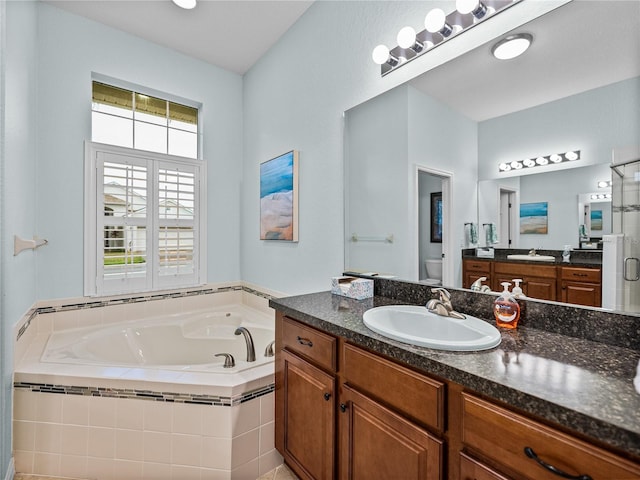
x=446 y=132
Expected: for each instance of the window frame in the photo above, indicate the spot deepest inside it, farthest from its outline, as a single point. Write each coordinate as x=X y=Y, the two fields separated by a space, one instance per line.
x=94 y=206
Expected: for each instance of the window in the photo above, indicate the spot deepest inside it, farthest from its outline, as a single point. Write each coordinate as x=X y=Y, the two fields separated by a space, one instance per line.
x=144 y=207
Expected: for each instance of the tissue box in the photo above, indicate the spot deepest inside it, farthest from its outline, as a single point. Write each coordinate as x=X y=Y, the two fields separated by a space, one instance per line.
x=352 y=287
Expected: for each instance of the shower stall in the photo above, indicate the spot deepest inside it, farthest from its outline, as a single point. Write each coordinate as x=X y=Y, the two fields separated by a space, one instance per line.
x=621 y=256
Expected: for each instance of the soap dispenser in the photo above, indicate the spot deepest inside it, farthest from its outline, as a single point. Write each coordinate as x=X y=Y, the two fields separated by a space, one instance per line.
x=517 y=291
x=506 y=308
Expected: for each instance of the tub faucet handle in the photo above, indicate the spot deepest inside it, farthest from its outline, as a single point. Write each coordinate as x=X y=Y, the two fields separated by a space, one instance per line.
x=229 y=361
x=270 y=351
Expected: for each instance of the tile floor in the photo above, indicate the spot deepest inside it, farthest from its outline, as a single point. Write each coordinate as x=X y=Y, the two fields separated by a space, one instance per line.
x=279 y=473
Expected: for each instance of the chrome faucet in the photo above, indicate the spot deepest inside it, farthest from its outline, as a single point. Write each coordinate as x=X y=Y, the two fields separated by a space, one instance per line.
x=477 y=286
x=270 y=350
x=532 y=252
x=442 y=305
x=251 y=351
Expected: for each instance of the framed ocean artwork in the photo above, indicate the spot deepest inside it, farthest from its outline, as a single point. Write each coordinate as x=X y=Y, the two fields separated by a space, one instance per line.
x=534 y=218
x=596 y=219
x=279 y=198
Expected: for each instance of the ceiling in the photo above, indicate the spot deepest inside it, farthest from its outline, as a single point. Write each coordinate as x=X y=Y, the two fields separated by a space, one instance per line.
x=230 y=34
x=582 y=45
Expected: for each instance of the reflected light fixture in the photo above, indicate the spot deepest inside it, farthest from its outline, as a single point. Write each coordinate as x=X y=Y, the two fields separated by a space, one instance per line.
x=512 y=46
x=186 y=4
x=540 y=161
x=439 y=27
x=604 y=183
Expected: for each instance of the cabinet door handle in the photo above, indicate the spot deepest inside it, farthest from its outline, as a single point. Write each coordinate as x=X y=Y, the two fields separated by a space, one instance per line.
x=327 y=396
x=343 y=407
x=305 y=341
x=555 y=470
x=579 y=274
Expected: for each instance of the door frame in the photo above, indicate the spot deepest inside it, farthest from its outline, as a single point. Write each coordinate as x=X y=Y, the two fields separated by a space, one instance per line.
x=447 y=235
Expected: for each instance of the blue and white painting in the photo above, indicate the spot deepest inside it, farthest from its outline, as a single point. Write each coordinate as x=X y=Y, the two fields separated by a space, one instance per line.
x=596 y=219
x=279 y=198
x=534 y=218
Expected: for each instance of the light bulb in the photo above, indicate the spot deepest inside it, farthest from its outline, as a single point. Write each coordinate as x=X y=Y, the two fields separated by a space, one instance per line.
x=406 y=37
x=476 y=7
x=517 y=165
x=504 y=167
x=529 y=163
x=571 y=156
x=436 y=21
x=512 y=46
x=186 y=4
x=541 y=161
x=555 y=158
x=380 y=54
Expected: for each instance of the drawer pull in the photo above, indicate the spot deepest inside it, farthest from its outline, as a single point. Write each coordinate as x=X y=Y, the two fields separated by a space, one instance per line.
x=327 y=396
x=580 y=275
x=305 y=341
x=531 y=454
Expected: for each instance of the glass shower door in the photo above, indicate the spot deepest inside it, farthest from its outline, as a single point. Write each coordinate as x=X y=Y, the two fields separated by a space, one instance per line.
x=626 y=220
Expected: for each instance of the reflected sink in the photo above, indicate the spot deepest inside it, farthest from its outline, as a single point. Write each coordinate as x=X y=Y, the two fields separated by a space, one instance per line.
x=533 y=258
x=416 y=325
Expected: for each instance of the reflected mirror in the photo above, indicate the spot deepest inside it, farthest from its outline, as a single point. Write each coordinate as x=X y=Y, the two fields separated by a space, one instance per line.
x=576 y=88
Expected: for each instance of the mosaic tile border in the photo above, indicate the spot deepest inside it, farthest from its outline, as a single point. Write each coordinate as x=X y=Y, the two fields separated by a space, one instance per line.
x=31 y=314
x=149 y=395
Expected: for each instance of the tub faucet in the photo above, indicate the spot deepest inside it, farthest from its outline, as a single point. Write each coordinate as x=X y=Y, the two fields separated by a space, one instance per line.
x=442 y=305
x=251 y=351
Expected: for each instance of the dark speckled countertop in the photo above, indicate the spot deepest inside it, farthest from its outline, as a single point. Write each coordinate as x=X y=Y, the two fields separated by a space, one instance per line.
x=583 y=385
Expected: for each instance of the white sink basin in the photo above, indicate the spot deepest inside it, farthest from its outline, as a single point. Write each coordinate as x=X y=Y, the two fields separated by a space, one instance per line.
x=533 y=258
x=416 y=325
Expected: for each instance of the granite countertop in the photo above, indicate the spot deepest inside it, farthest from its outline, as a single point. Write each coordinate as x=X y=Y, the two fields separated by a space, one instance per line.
x=586 y=386
x=579 y=258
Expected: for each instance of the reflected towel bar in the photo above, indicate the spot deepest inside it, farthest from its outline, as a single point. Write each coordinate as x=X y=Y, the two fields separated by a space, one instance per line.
x=357 y=238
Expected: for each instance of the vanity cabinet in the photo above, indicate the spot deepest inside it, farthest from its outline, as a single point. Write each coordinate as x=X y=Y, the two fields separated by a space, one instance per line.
x=569 y=284
x=305 y=399
x=538 y=281
x=581 y=285
x=499 y=444
x=377 y=425
x=472 y=270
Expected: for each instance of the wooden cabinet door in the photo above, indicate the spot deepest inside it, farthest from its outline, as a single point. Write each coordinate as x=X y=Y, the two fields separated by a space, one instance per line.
x=306 y=421
x=471 y=469
x=376 y=443
x=588 y=294
x=542 y=288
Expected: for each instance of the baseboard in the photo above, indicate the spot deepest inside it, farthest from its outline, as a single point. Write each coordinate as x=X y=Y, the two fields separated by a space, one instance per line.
x=11 y=471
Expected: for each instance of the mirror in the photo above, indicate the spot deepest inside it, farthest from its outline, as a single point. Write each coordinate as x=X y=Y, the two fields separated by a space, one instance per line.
x=464 y=118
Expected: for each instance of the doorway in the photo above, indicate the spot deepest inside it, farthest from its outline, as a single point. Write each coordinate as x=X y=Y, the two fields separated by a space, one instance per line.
x=508 y=220
x=433 y=235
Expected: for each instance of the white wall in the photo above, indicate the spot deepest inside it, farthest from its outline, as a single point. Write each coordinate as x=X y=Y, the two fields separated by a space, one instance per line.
x=294 y=97
x=70 y=48
x=19 y=157
x=376 y=144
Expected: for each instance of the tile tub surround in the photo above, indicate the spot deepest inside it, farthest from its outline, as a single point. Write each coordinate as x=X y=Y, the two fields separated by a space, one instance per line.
x=202 y=430
x=580 y=384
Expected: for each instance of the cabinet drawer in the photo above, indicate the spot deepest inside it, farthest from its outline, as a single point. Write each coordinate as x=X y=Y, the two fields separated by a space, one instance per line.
x=477 y=266
x=471 y=469
x=315 y=345
x=519 y=270
x=503 y=436
x=409 y=392
x=581 y=274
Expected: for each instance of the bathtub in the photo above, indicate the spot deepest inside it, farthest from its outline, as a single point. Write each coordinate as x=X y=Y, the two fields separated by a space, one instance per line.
x=184 y=342
x=147 y=396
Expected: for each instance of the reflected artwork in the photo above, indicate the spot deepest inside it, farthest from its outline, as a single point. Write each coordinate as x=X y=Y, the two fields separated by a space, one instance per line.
x=533 y=218
x=279 y=198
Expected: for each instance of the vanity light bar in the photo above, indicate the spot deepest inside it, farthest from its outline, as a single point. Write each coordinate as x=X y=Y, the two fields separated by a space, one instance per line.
x=438 y=28
x=552 y=159
x=600 y=196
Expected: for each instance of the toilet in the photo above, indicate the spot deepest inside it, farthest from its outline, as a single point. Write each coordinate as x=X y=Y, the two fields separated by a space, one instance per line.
x=434 y=271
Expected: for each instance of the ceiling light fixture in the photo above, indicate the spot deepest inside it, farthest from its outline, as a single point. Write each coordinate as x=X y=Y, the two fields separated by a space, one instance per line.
x=512 y=46
x=541 y=161
x=186 y=4
x=439 y=27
